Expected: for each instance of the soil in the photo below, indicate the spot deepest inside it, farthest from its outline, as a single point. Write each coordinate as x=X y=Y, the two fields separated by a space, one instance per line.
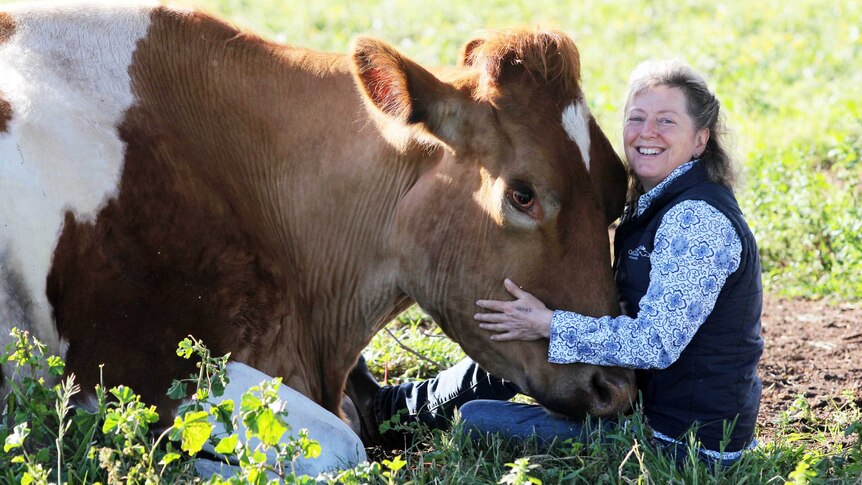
x=813 y=349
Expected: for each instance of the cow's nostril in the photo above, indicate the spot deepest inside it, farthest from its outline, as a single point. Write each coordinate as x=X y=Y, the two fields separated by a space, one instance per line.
x=611 y=394
x=602 y=390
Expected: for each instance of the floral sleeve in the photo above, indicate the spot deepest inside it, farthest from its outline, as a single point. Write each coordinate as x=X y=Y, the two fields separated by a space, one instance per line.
x=695 y=250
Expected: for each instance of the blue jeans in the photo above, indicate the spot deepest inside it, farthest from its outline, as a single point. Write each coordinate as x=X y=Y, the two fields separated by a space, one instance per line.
x=433 y=401
x=483 y=402
x=523 y=422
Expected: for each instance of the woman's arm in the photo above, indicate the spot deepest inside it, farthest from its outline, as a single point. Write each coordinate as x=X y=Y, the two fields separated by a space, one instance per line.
x=696 y=249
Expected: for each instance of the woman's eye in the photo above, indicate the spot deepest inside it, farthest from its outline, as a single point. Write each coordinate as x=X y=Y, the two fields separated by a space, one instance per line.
x=666 y=121
x=522 y=198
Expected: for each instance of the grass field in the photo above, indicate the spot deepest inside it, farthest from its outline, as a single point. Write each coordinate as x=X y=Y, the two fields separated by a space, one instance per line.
x=789 y=76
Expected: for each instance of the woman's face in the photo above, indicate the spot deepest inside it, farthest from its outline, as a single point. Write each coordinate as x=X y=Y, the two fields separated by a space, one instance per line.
x=659 y=135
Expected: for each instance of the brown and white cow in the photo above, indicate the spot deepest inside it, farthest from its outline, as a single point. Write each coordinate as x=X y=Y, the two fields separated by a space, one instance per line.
x=163 y=174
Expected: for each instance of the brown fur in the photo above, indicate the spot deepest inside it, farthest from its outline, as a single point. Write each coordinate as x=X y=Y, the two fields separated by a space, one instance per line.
x=184 y=265
x=7 y=27
x=214 y=261
x=262 y=209
x=549 y=58
x=5 y=114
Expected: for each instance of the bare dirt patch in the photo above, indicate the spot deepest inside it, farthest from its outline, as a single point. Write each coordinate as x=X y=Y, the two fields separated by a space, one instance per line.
x=812 y=348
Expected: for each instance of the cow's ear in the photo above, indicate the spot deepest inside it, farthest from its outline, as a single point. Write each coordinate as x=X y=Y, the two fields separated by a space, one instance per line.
x=467 y=58
x=402 y=89
x=608 y=174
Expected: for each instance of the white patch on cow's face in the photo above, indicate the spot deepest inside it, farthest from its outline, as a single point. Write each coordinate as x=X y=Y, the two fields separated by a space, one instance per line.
x=65 y=73
x=340 y=446
x=576 y=122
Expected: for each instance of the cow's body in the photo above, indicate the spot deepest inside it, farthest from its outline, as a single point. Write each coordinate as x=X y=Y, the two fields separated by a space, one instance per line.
x=163 y=174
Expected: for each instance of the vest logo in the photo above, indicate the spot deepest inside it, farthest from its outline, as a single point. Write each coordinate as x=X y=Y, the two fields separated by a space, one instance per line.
x=639 y=252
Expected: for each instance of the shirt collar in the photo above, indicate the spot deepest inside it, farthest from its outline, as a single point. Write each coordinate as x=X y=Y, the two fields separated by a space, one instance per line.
x=645 y=200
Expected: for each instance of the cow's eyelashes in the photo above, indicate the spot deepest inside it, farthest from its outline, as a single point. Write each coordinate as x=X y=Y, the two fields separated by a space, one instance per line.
x=521 y=197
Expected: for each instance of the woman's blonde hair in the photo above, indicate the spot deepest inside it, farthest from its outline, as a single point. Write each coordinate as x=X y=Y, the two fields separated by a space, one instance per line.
x=702 y=106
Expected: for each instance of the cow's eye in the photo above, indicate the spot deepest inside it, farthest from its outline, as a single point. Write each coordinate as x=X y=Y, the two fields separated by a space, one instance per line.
x=522 y=197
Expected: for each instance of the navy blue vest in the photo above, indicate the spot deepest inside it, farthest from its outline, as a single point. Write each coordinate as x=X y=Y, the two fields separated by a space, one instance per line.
x=714 y=382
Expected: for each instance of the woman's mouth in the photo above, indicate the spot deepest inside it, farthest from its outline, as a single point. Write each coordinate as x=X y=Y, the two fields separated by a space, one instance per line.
x=649 y=151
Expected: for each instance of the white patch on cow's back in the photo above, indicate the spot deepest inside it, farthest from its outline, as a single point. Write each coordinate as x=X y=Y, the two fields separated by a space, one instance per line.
x=65 y=72
x=340 y=447
x=576 y=122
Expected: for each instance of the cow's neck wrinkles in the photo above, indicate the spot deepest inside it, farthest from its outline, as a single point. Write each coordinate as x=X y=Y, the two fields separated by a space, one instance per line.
x=267 y=180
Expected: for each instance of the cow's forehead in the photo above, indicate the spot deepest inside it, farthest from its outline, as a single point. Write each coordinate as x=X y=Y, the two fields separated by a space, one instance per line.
x=534 y=123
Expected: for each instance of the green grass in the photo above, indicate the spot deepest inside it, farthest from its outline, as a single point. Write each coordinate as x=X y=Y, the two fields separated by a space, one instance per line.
x=45 y=440
x=411 y=348
x=622 y=456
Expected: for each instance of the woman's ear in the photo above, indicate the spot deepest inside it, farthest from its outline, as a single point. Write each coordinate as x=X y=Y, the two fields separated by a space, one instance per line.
x=700 y=140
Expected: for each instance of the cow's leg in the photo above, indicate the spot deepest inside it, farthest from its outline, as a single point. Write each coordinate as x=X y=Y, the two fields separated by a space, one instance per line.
x=351 y=413
x=340 y=447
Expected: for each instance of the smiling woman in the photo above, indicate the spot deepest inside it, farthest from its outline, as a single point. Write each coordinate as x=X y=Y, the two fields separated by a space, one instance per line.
x=688 y=274
x=659 y=136
x=667 y=125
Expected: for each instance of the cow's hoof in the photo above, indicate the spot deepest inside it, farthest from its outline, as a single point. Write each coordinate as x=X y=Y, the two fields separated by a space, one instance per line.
x=362 y=388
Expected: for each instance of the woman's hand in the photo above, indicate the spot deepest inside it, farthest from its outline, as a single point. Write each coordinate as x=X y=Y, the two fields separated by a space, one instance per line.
x=525 y=318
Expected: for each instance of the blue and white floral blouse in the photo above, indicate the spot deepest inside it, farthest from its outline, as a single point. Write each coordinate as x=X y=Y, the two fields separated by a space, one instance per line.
x=696 y=249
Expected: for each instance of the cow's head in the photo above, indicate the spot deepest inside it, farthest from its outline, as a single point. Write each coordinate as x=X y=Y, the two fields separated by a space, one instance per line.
x=523 y=185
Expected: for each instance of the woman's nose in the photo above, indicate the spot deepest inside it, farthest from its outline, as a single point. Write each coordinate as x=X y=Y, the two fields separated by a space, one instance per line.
x=649 y=129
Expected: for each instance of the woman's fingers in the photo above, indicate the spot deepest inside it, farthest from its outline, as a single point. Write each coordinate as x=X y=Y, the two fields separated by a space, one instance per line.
x=504 y=332
x=515 y=290
x=496 y=305
x=491 y=317
x=525 y=318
